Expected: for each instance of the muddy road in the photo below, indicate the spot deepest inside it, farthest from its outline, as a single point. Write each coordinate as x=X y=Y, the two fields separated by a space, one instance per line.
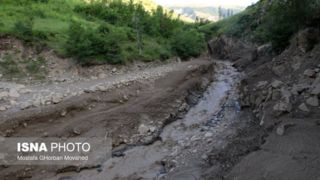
x=160 y=128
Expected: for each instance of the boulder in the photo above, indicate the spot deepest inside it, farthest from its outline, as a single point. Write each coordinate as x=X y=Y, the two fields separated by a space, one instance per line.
x=316 y=90
x=313 y=101
x=276 y=84
x=282 y=107
x=303 y=107
x=309 y=73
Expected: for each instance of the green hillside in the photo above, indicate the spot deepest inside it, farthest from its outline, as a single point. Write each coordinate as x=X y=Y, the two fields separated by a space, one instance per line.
x=99 y=31
x=274 y=21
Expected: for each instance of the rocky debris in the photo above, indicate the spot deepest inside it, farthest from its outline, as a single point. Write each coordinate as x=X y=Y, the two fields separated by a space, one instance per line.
x=63 y=113
x=184 y=106
x=276 y=84
x=25 y=91
x=13 y=93
x=144 y=129
x=102 y=75
x=264 y=49
x=76 y=131
x=279 y=69
x=280 y=130
x=299 y=88
x=25 y=105
x=57 y=98
x=313 y=101
x=4 y=94
x=309 y=73
x=307 y=39
x=262 y=84
x=282 y=107
x=114 y=70
x=102 y=88
x=208 y=134
x=3 y=108
x=303 y=107
x=316 y=90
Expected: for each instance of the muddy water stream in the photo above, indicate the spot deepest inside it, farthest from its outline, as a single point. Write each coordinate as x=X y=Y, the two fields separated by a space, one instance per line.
x=185 y=143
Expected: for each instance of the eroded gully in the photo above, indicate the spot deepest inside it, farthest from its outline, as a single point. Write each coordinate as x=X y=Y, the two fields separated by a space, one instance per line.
x=182 y=151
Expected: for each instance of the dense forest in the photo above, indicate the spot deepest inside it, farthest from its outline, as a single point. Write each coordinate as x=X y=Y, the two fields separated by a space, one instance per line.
x=106 y=31
x=274 y=21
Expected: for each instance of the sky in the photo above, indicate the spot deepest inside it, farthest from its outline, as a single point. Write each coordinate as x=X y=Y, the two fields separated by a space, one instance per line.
x=206 y=2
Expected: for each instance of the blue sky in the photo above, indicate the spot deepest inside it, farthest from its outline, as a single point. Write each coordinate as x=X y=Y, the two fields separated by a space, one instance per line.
x=206 y=2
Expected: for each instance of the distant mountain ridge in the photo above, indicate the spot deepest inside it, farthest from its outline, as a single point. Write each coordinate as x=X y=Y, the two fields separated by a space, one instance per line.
x=209 y=13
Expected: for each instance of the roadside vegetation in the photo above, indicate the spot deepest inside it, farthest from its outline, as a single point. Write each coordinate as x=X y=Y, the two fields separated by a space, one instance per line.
x=268 y=21
x=106 y=31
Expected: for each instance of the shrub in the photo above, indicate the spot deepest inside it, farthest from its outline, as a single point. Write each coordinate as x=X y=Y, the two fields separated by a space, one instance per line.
x=188 y=43
x=88 y=44
x=24 y=30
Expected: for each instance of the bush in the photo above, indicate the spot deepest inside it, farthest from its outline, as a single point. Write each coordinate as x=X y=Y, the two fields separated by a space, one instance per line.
x=188 y=43
x=24 y=30
x=88 y=44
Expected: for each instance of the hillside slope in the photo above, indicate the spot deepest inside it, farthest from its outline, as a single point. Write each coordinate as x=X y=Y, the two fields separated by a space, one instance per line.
x=113 y=32
x=268 y=21
x=277 y=45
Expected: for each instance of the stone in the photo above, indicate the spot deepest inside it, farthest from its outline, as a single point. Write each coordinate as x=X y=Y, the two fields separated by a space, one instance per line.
x=280 y=130
x=261 y=84
x=313 y=101
x=204 y=157
x=25 y=91
x=14 y=93
x=264 y=49
x=279 y=70
x=299 y=88
x=76 y=131
x=303 y=107
x=208 y=134
x=102 y=75
x=152 y=129
x=282 y=107
x=25 y=105
x=102 y=88
x=125 y=98
x=183 y=107
x=114 y=70
x=316 y=90
x=36 y=102
x=143 y=129
x=57 y=98
x=276 y=84
x=4 y=94
x=63 y=113
x=309 y=73
x=3 y=108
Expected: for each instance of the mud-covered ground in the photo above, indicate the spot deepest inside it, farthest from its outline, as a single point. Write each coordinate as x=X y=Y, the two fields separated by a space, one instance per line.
x=151 y=103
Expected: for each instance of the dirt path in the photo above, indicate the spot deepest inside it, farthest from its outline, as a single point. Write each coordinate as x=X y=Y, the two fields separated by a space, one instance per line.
x=19 y=97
